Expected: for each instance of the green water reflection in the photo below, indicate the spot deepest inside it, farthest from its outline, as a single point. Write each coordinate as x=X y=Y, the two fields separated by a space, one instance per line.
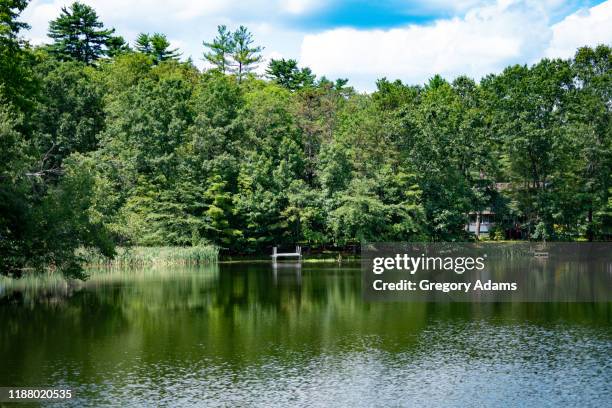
x=244 y=334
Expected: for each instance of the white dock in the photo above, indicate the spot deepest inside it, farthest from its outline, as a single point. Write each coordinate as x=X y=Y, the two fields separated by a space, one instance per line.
x=297 y=254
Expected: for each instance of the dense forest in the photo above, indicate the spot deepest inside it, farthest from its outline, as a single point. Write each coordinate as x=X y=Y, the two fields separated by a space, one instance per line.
x=105 y=143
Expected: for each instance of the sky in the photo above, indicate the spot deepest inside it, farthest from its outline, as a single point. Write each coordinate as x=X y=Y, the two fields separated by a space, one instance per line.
x=364 y=40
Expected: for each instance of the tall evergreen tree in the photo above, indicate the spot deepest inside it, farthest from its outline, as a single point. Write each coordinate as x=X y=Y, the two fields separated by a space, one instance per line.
x=116 y=46
x=15 y=79
x=286 y=73
x=221 y=49
x=78 y=34
x=157 y=46
x=590 y=112
x=246 y=57
x=9 y=26
x=143 y=43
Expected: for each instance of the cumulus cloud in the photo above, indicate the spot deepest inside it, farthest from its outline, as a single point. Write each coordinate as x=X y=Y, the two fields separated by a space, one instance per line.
x=483 y=37
x=485 y=40
x=299 y=6
x=145 y=15
x=585 y=27
x=185 y=22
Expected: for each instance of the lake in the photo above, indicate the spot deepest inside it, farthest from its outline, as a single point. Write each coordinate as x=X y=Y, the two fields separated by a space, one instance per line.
x=246 y=334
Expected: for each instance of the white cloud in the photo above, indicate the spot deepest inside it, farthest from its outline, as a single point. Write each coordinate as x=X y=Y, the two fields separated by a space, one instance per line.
x=485 y=40
x=299 y=6
x=489 y=35
x=585 y=27
x=185 y=22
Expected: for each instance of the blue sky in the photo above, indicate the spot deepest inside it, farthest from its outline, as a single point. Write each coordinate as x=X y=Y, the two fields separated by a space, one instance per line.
x=365 y=40
x=368 y=14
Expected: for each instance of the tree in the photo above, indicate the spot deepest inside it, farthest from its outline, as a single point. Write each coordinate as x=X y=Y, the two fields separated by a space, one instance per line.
x=15 y=159
x=221 y=49
x=43 y=223
x=391 y=96
x=590 y=114
x=304 y=216
x=218 y=215
x=62 y=222
x=143 y=44
x=338 y=85
x=143 y=149
x=9 y=26
x=16 y=79
x=286 y=73
x=69 y=112
x=147 y=124
x=271 y=159
x=528 y=106
x=157 y=46
x=78 y=34
x=434 y=141
x=116 y=46
x=245 y=56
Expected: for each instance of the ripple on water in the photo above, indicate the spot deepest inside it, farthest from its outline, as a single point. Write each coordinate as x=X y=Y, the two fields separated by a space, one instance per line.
x=454 y=364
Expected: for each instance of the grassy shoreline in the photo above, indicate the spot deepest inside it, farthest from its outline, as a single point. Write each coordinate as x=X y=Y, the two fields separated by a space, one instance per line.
x=148 y=256
x=136 y=261
x=175 y=255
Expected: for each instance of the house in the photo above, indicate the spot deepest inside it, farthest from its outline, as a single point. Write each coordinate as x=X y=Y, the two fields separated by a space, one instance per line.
x=483 y=222
x=480 y=223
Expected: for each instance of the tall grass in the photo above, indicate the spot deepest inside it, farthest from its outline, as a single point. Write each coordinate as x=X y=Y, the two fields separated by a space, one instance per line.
x=34 y=282
x=130 y=263
x=147 y=256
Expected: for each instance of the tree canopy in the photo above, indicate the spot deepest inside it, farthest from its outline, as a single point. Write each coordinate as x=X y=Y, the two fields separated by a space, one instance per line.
x=233 y=52
x=78 y=34
x=220 y=49
x=142 y=148
x=286 y=73
x=156 y=46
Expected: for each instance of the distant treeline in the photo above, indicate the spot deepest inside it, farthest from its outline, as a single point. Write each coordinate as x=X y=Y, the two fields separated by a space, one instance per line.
x=105 y=144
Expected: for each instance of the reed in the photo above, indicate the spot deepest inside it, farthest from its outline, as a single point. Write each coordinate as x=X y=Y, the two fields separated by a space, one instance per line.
x=146 y=256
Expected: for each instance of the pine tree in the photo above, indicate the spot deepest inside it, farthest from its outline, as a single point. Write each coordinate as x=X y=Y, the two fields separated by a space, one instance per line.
x=157 y=46
x=78 y=34
x=117 y=46
x=143 y=44
x=286 y=73
x=246 y=57
x=16 y=82
x=9 y=26
x=221 y=48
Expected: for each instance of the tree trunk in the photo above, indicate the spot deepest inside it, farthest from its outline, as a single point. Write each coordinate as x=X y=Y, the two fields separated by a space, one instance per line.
x=478 y=225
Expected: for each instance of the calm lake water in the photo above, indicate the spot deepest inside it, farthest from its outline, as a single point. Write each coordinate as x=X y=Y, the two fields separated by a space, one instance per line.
x=245 y=335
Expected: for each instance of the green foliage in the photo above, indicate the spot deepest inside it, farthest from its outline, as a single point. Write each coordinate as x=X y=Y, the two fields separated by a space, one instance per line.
x=142 y=149
x=156 y=46
x=590 y=115
x=17 y=83
x=287 y=74
x=233 y=52
x=116 y=46
x=65 y=220
x=69 y=114
x=14 y=208
x=138 y=256
x=43 y=223
x=9 y=25
x=221 y=49
x=245 y=55
x=78 y=34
